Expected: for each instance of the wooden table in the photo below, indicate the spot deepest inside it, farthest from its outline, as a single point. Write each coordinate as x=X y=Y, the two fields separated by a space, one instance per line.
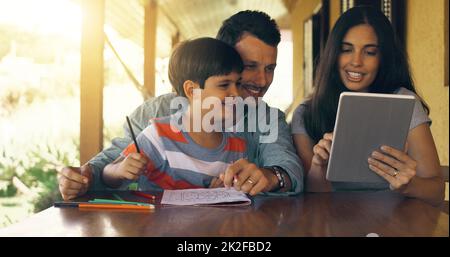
x=320 y=214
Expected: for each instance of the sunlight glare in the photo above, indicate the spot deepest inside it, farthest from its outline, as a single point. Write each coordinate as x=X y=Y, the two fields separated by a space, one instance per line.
x=62 y=17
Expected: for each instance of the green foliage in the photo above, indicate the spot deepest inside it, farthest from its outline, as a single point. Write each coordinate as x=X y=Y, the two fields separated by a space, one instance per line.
x=38 y=171
x=48 y=195
x=8 y=190
x=7 y=222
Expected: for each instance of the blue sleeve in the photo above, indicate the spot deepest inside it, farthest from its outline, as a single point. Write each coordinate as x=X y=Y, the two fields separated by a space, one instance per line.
x=156 y=107
x=281 y=153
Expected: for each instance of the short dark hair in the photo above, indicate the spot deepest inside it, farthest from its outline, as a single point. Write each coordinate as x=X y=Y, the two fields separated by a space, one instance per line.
x=256 y=23
x=201 y=58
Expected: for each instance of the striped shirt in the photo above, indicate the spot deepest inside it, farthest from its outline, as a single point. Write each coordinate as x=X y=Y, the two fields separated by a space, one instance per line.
x=177 y=162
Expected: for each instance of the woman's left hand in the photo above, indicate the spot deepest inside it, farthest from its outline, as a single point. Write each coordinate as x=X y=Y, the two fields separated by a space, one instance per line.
x=393 y=165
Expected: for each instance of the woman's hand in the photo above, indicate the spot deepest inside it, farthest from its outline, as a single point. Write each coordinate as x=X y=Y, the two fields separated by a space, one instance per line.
x=393 y=165
x=322 y=150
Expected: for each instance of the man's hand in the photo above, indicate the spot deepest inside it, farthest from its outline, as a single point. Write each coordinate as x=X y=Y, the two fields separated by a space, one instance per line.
x=249 y=178
x=74 y=181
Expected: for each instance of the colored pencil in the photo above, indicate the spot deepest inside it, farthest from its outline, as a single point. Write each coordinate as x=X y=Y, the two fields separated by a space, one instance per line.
x=97 y=200
x=67 y=204
x=99 y=205
x=132 y=135
x=115 y=206
x=149 y=196
x=117 y=197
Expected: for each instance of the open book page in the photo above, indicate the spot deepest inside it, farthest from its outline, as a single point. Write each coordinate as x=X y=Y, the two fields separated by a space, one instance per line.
x=205 y=196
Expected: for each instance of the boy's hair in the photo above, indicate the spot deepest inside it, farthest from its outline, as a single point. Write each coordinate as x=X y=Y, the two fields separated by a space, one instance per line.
x=201 y=58
x=256 y=23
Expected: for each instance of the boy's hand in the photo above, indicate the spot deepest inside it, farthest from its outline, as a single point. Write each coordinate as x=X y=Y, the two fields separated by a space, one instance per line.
x=217 y=182
x=131 y=167
x=74 y=181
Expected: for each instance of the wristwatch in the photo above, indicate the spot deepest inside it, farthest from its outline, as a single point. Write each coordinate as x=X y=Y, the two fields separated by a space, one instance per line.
x=279 y=173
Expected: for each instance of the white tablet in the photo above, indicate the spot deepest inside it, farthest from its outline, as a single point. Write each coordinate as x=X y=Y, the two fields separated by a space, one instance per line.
x=365 y=122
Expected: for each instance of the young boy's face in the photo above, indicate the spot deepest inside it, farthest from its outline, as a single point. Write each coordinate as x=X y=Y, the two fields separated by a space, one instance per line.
x=215 y=91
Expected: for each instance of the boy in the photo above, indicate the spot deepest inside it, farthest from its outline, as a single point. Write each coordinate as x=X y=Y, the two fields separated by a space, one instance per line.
x=177 y=156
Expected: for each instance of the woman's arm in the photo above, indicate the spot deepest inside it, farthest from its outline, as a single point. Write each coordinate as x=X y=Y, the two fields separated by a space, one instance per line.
x=415 y=173
x=315 y=159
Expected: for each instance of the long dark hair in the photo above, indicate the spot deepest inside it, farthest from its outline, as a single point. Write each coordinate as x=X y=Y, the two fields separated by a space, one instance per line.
x=393 y=71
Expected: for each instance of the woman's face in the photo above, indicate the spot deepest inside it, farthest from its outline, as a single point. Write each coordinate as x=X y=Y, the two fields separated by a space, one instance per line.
x=359 y=58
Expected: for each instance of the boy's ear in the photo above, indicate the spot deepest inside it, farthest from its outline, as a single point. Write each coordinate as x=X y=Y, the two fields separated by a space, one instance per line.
x=188 y=87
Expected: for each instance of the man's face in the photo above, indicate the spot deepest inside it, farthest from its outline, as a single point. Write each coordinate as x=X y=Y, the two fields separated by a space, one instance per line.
x=260 y=60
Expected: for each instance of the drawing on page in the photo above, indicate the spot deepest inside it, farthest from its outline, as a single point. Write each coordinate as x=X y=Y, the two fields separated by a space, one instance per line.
x=204 y=195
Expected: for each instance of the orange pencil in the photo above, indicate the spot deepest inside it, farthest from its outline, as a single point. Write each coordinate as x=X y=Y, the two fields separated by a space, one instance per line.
x=116 y=206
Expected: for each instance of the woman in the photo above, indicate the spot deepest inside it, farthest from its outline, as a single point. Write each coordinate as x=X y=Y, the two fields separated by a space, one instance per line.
x=363 y=55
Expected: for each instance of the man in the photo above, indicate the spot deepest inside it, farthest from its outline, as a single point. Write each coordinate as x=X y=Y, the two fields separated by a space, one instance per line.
x=272 y=168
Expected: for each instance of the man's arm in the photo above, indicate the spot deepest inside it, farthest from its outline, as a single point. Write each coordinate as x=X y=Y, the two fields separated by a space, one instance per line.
x=281 y=153
x=271 y=156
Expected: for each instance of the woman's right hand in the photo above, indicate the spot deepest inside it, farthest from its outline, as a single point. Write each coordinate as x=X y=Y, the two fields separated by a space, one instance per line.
x=322 y=150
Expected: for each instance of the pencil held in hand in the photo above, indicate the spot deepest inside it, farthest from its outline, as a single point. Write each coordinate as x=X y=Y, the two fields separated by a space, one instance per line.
x=132 y=166
x=132 y=135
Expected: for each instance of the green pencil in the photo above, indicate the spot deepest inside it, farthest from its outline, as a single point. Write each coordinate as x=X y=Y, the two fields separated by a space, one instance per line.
x=98 y=200
x=117 y=197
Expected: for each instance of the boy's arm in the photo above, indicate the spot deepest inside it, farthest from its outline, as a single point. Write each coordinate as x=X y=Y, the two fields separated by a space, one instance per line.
x=157 y=107
x=110 y=171
x=139 y=120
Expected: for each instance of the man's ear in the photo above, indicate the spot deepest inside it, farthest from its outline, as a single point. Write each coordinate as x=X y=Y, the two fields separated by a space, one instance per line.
x=188 y=87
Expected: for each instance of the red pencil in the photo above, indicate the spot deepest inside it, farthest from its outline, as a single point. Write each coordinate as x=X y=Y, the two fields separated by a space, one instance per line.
x=149 y=196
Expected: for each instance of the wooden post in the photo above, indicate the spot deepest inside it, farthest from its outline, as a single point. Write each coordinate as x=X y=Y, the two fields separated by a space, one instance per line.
x=150 y=25
x=175 y=39
x=91 y=79
x=446 y=82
